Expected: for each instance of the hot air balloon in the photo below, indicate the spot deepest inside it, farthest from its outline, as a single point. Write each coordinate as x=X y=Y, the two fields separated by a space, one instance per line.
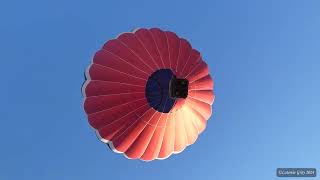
x=148 y=94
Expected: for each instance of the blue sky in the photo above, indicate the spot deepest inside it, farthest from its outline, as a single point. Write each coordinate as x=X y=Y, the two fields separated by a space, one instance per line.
x=263 y=55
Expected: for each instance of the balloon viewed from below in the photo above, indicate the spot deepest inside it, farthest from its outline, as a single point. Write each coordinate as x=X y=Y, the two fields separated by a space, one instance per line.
x=148 y=94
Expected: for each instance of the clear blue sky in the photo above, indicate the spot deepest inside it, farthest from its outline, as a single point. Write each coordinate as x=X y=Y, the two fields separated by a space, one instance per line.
x=264 y=57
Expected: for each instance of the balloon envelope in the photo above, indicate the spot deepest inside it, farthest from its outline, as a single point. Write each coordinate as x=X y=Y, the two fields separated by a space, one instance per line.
x=148 y=94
